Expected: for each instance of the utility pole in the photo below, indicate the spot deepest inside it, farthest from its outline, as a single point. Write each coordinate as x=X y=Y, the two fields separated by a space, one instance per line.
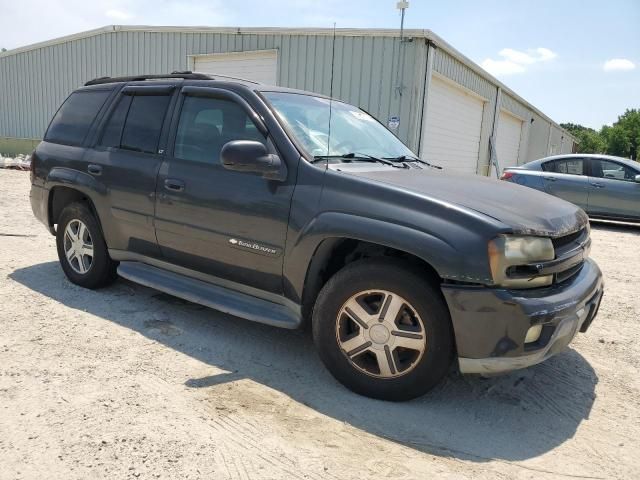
x=402 y=6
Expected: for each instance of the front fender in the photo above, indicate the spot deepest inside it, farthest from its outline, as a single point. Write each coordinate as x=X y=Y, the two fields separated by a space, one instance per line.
x=446 y=259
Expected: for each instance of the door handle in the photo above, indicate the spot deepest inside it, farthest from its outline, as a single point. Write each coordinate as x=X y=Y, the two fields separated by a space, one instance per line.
x=174 y=185
x=94 y=170
x=597 y=185
x=551 y=179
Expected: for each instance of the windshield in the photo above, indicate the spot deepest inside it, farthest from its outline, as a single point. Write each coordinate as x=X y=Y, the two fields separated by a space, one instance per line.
x=352 y=130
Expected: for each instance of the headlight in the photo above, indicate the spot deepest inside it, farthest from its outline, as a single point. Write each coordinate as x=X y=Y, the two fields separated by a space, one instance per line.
x=507 y=253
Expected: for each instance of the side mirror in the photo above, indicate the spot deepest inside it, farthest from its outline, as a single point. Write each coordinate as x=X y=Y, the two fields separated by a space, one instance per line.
x=252 y=157
x=637 y=178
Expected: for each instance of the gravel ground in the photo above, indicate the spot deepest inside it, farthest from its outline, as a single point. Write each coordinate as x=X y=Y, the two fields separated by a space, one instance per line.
x=127 y=382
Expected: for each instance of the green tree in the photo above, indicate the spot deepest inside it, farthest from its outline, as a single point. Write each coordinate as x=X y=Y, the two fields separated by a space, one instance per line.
x=590 y=141
x=575 y=127
x=618 y=142
x=629 y=121
x=622 y=139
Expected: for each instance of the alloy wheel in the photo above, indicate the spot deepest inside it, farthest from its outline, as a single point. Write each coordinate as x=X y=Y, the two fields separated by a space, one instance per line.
x=78 y=246
x=381 y=333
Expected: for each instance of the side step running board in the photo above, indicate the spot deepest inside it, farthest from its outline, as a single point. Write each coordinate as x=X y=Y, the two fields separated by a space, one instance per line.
x=214 y=296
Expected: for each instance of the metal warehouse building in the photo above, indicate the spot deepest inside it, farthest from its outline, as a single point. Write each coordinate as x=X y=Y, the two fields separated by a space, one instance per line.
x=436 y=100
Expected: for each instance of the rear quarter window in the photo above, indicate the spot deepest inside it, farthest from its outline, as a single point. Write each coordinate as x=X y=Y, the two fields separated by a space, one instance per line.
x=548 y=167
x=72 y=121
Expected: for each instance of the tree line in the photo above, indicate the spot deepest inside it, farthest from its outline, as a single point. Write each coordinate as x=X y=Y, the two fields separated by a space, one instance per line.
x=622 y=139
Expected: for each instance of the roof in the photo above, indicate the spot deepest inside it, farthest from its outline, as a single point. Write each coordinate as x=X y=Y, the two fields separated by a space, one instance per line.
x=345 y=32
x=565 y=156
x=179 y=75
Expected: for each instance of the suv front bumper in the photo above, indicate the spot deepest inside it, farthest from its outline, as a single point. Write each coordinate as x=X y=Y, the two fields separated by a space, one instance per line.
x=491 y=324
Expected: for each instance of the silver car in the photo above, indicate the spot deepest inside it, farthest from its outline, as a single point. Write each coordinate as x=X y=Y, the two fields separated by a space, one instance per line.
x=603 y=186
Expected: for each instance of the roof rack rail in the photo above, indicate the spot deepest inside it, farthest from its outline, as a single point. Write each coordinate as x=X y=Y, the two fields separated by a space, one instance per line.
x=186 y=75
x=216 y=76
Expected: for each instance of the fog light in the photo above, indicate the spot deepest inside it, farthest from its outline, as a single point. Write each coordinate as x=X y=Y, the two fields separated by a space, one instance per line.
x=533 y=334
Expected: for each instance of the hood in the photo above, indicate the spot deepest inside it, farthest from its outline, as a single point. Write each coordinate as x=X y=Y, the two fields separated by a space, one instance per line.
x=525 y=210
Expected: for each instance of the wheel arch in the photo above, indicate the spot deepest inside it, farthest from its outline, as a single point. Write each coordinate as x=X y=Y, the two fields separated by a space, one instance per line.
x=335 y=253
x=67 y=186
x=334 y=240
x=62 y=196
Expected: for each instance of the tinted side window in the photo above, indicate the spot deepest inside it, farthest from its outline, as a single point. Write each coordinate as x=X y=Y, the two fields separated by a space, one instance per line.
x=206 y=124
x=572 y=167
x=612 y=170
x=144 y=122
x=71 y=123
x=549 y=167
x=112 y=134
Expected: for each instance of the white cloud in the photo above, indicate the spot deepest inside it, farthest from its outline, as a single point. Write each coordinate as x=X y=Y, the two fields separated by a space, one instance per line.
x=618 y=65
x=502 y=67
x=544 y=54
x=118 y=14
x=515 y=61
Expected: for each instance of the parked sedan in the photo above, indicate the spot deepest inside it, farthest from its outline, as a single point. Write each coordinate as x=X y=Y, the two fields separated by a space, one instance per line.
x=604 y=186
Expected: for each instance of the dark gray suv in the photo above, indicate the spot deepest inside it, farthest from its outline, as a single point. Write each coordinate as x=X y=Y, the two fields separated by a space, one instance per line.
x=289 y=208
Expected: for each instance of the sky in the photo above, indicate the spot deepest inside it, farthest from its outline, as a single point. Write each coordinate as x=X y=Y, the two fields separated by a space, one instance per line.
x=577 y=61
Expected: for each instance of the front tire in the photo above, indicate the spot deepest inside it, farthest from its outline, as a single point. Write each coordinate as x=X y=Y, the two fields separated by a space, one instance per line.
x=383 y=330
x=82 y=250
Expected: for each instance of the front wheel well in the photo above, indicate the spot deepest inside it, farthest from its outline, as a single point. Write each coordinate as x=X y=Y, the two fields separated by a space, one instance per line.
x=334 y=254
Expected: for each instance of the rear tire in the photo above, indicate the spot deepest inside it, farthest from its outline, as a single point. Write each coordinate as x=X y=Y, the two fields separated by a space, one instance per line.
x=383 y=330
x=82 y=250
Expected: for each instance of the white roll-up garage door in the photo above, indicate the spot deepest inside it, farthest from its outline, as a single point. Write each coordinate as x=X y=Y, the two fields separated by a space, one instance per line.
x=451 y=132
x=508 y=141
x=259 y=66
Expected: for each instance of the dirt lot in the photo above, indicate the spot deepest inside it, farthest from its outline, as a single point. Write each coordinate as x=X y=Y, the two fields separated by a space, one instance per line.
x=127 y=382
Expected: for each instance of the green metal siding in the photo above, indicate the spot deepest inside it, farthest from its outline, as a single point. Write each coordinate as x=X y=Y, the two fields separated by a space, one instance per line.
x=538 y=138
x=34 y=83
x=512 y=105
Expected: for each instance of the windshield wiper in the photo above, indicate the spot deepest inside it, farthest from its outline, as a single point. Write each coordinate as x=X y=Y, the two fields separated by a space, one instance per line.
x=411 y=158
x=361 y=157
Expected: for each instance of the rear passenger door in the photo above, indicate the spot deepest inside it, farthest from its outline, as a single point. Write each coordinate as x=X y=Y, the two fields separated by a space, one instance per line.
x=226 y=224
x=126 y=158
x=567 y=179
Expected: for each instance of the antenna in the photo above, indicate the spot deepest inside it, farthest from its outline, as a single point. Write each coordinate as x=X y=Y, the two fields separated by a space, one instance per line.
x=333 y=56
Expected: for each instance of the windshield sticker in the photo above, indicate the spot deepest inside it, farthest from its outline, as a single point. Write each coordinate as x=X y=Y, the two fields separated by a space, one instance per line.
x=394 y=122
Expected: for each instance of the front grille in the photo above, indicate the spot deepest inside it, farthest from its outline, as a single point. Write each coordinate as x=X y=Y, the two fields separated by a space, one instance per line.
x=567 y=274
x=569 y=245
x=560 y=242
